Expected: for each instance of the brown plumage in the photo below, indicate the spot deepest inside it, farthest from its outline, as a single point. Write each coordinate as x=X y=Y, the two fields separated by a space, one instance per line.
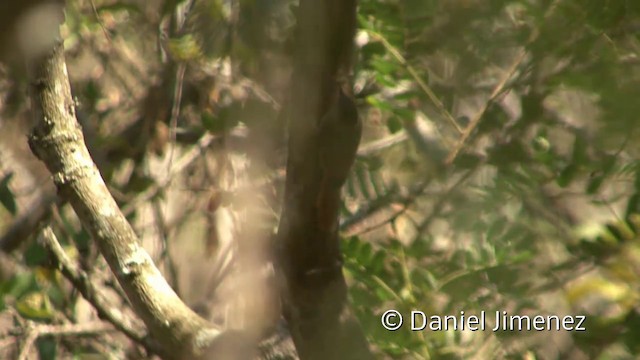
x=339 y=133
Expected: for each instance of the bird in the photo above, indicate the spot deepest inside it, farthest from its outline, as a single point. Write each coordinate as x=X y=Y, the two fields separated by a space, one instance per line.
x=339 y=132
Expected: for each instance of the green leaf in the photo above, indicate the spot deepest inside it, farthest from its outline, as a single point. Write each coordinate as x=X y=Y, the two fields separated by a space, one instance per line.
x=467 y=161
x=394 y=124
x=377 y=183
x=633 y=205
x=185 y=48
x=6 y=195
x=35 y=255
x=363 y=182
x=18 y=285
x=363 y=297
x=210 y=122
x=594 y=183
x=496 y=229
x=423 y=278
x=364 y=254
x=579 y=154
x=350 y=245
x=380 y=104
x=48 y=348
x=383 y=294
x=384 y=66
x=508 y=279
x=465 y=284
x=419 y=248
x=377 y=262
x=35 y=305
x=621 y=230
x=405 y=114
x=567 y=175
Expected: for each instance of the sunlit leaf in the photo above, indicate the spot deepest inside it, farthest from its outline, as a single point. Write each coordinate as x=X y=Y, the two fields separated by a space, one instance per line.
x=35 y=305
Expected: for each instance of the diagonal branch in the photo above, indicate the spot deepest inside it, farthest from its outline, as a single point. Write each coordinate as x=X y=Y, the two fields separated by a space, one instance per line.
x=497 y=90
x=418 y=79
x=500 y=88
x=58 y=141
x=35 y=331
x=83 y=284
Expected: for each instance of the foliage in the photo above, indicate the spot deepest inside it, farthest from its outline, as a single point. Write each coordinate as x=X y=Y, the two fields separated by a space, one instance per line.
x=534 y=210
x=552 y=150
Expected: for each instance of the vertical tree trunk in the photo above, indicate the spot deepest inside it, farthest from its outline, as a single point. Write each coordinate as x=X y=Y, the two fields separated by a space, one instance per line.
x=322 y=325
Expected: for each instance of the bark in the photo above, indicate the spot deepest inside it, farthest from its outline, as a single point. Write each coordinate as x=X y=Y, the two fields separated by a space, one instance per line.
x=315 y=295
x=58 y=141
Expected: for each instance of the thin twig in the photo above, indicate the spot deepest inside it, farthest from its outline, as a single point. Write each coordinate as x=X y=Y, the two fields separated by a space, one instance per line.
x=377 y=205
x=186 y=160
x=179 y=18
x=367 y=210
x=6 y=343
x=32 y=336
x=83 y=284
x=439 y=205
x=22 y=227
x=99 y=21
x=75 y=329
x=373 y=147
x=389 y=219
x=421 y=83
x=498 y=89
x=35 y=331
x=164 y=232
x=175 y=109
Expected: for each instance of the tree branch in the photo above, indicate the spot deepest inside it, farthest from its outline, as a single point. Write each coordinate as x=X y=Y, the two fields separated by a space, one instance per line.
x=83 y=284
x=58 y=141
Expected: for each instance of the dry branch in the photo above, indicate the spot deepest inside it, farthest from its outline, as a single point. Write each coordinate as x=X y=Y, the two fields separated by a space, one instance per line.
x=58 y=141
x=82 y=282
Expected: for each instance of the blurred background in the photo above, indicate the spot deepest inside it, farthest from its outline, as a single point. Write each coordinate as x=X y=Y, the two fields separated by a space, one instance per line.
x=498 y=169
